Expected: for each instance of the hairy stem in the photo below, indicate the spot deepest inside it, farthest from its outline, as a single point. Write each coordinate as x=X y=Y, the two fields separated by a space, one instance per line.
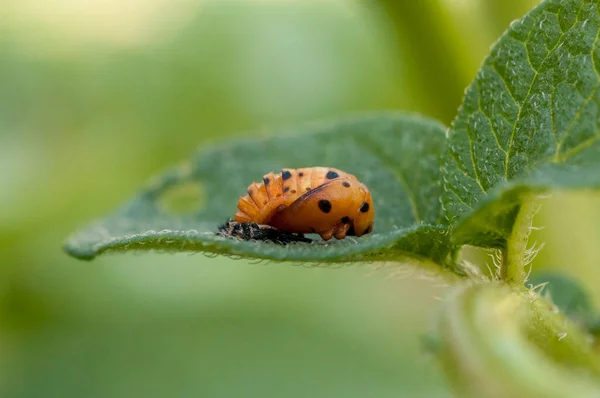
x=516 y=255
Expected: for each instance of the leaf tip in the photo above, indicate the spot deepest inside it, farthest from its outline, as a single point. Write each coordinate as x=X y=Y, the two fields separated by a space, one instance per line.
x=74 y=250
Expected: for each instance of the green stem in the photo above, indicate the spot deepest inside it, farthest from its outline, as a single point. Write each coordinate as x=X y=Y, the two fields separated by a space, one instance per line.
x=515 y=257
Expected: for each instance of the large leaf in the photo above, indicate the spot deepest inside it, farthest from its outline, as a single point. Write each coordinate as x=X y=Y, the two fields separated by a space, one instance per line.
x=396 y=155
x=528 y=123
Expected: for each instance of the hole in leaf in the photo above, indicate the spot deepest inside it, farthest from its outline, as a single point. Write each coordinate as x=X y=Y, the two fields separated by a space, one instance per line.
x=185 y=198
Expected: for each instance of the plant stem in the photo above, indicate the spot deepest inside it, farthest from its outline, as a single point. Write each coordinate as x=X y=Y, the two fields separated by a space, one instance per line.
x=515 y=256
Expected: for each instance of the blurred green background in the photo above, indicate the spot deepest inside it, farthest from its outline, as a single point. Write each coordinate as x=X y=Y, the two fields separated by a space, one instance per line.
x=97 y=96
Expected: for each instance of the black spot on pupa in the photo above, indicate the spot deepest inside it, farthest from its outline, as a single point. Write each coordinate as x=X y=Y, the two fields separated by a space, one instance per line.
x=301 y=174
x=364 y=207
x=325 y=205
x=285 y=175
x=331 y=175
x=308 y=188
x=351 y=231
x=266 y=180
x=293 y=191
x=346 y=184
x=286 y=189
x=345 y=219
x=249 y=192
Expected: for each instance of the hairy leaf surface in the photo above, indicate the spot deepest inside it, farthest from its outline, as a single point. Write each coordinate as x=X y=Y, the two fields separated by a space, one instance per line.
x=397 y=156
x=528 y=123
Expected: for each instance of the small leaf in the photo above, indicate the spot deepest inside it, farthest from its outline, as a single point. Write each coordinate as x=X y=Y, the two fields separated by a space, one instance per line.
x=396 y=155
x=528 y=123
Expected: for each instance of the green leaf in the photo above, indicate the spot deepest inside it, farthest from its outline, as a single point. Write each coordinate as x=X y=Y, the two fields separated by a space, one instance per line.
x=528 y=123
x=397 y=156
x=497 y=341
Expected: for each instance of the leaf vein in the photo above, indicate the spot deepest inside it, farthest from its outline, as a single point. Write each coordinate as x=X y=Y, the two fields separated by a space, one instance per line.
x=570 y=127
x=528 y=94
x=494 y=131
x=472 y=152
x=508 y=90
x=452 y=190
x=528 y=57
x=464 y=171
x=575 y=150
x=552 y=117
